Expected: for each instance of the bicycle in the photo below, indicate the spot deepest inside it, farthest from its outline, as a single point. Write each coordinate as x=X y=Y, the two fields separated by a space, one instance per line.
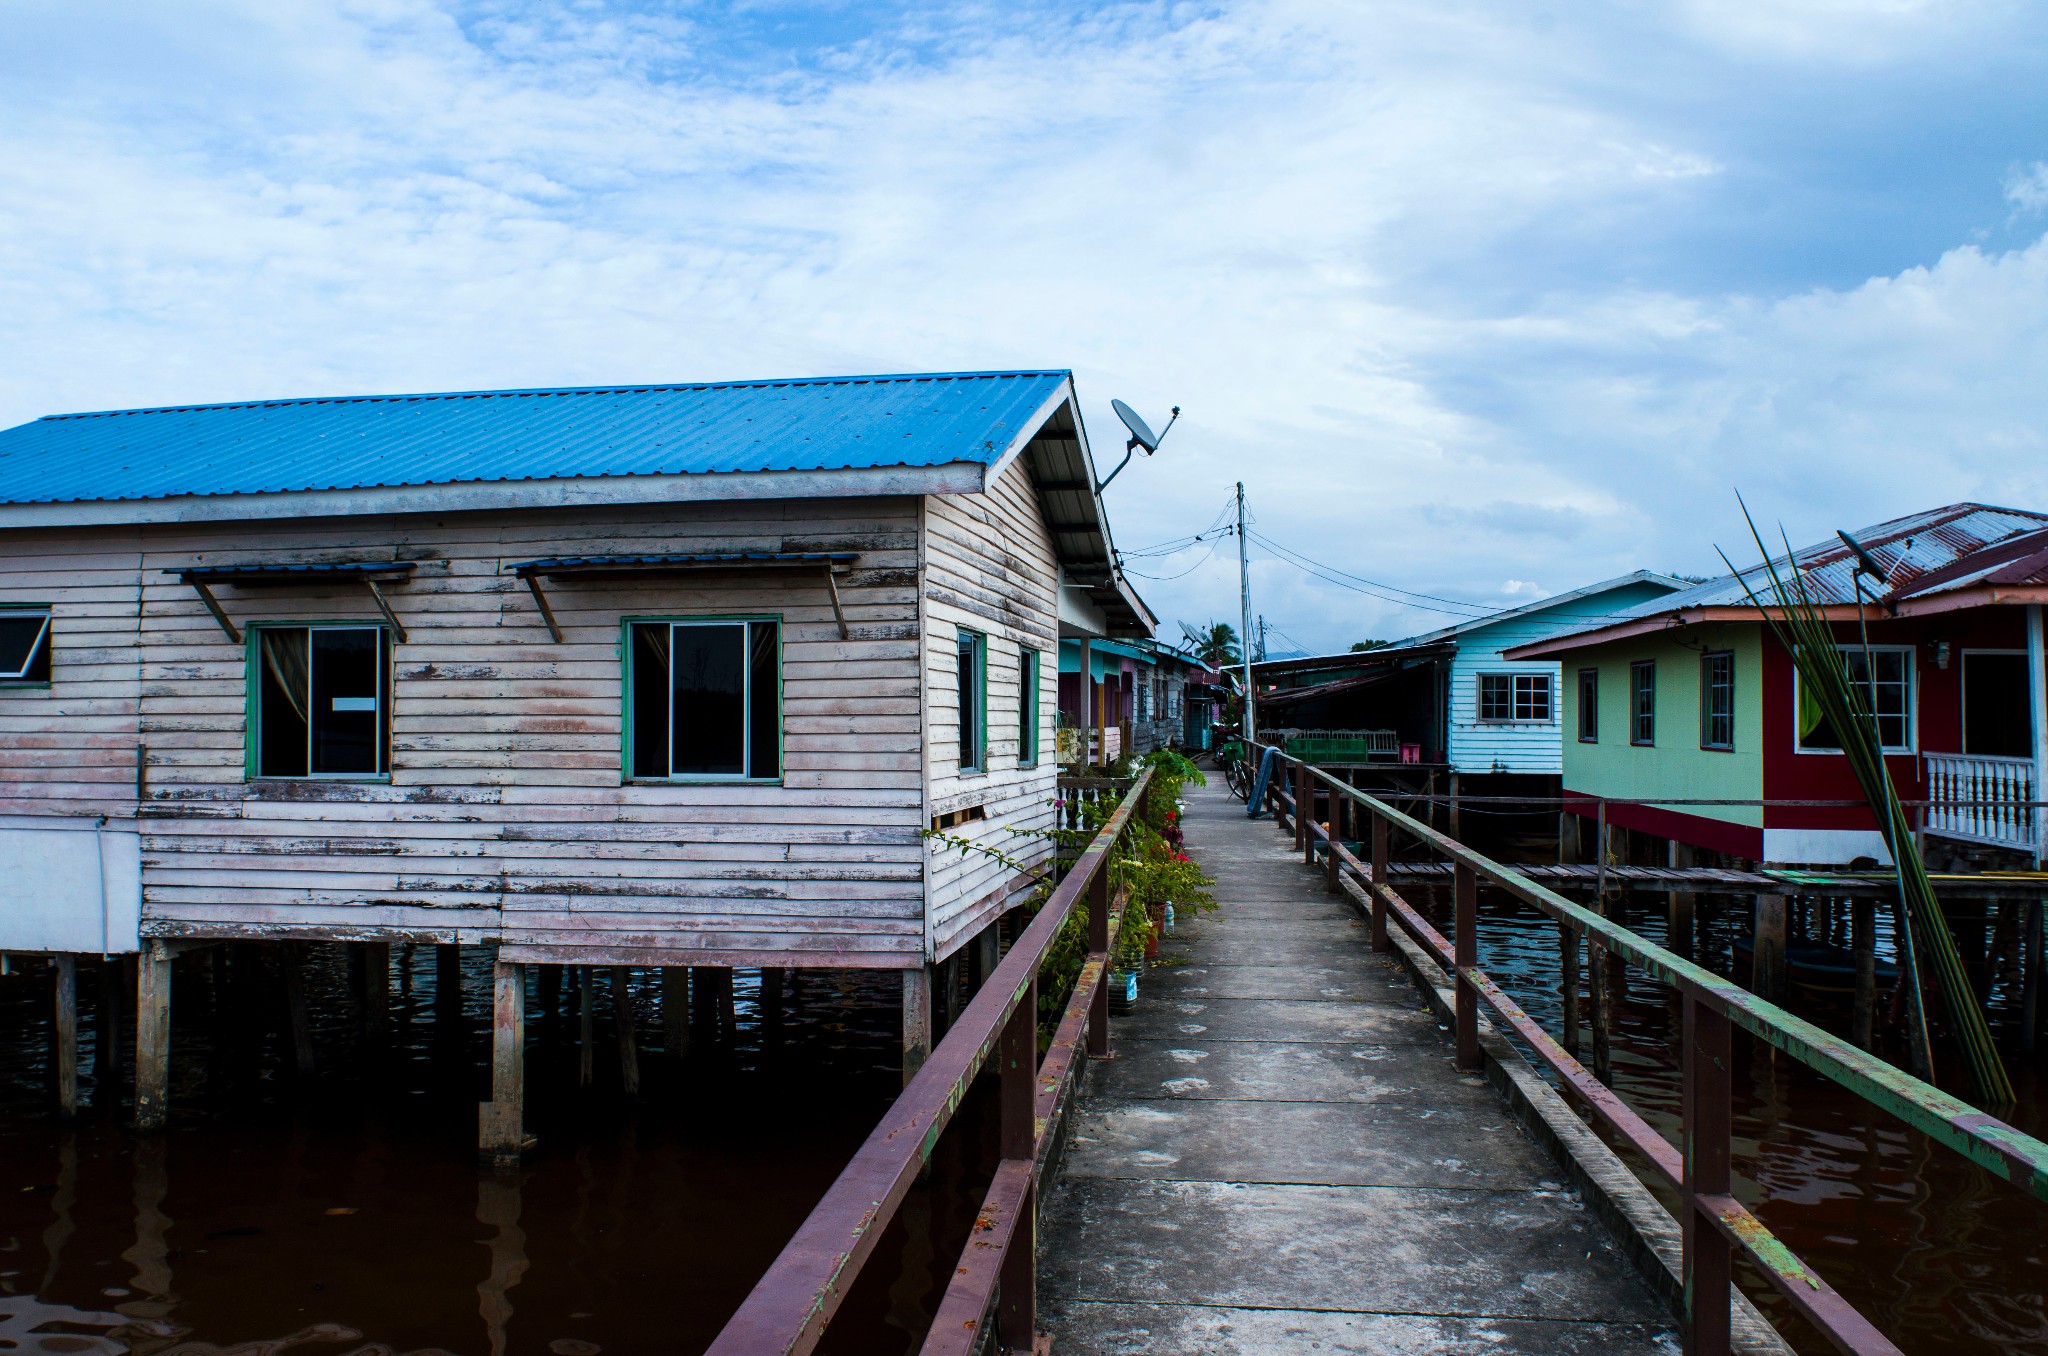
x=1237 y=769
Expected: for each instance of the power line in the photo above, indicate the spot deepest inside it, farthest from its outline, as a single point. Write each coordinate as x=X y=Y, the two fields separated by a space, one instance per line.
x=1294 y=557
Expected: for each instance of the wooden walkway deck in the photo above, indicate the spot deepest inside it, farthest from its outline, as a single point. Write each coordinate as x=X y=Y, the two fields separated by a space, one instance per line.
x=1281 y=1158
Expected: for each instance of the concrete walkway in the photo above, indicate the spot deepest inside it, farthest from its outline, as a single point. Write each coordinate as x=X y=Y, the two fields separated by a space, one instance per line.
x=1283 y=1158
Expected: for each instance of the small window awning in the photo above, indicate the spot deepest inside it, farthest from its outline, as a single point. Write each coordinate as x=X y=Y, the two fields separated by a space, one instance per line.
x=372 y=574
x=830 y=564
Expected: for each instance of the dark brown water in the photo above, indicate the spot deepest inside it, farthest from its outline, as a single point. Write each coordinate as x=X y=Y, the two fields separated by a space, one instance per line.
x=348 y=1214
x=1940 y=1254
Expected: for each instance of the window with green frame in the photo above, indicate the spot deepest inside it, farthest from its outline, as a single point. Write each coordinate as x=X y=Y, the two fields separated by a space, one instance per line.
x=24 y=646
x=319 y=700
x=704 y=699
x=971 y=674
x=1027 y=708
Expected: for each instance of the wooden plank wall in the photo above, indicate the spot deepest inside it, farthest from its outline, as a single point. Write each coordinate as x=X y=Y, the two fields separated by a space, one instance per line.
x=505 y=816
x=988 y=567
x=70 y=749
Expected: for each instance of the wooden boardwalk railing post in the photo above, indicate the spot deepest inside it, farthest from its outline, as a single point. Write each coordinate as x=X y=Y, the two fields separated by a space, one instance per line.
x=1098 y=947
x=1706 y=1128
x=1017 y=1306
x=1465 y=944
x=1333 y=873
x=1380 y=940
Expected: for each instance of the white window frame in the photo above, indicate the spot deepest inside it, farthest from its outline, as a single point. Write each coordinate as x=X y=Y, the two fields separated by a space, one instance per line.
x=1515 y=680
x=746 y=773
x=381 y=710
x=1912 y=744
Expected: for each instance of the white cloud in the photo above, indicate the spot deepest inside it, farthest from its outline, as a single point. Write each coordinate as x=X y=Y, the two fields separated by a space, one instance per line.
x=1262 y=211
x=2026 y=188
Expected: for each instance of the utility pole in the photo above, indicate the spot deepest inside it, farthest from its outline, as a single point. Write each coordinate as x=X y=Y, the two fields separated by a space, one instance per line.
x=1262 y=637
x=1244 y=633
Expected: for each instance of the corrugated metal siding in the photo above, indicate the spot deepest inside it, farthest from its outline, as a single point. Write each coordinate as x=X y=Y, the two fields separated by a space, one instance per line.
x=1530 y=748
x=361 y=441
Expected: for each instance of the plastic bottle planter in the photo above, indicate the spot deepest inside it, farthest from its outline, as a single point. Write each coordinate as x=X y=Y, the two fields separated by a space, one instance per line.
x=1166 y=923
x=1123 y=990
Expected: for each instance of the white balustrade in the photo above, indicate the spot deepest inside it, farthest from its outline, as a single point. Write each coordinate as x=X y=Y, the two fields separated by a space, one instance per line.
x=1981 y=798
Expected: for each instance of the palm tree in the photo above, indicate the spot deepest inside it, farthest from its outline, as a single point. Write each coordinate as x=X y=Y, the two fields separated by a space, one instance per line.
x=1216 y=646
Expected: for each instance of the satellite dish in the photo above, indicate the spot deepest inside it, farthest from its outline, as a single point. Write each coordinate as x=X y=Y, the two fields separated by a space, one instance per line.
x=1141 y=432
x=1141 y=436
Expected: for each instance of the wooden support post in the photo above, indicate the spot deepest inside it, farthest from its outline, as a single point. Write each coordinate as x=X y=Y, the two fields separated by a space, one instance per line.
x=377 y=986
x=152 y=1038
x=675 y=1010
x=1567 y=837
x=1017 y=1303
x=1706 y=1125
x=1333 y=875
x=917 y=1020
x=627 y=1019
x=1454 y=819
x=1603 y=1005
x=1465 y=957
x=1303 y=808
x=1863 y=946
x=1380 y=940
x=949 y=994
x=1569 y=984
x=988 y=953
x=501 y=1122
x=1767 y=954
x=1307 y=807
x=1098 y=943
x=1678 y=923
x=728 y=1012
x=110 y=1044
x=771 y=997
x=2031 y=949
x=586 y=1026
x=295 y=1007
x=448 y=983
x=64 y=1027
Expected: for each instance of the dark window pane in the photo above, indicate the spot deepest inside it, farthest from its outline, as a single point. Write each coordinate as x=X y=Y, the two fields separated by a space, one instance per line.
x=1589 y=705
x=709 y=664
x=650 y=699
x=1888 y=694
x=1643 y=709
x=1532 y=696
x=281 y=703
x=25 y=647
x=970 y=703
x=346 y=690
x=764 y=705
x=1495 y=701
x=1027 y=706
x=1995 y=719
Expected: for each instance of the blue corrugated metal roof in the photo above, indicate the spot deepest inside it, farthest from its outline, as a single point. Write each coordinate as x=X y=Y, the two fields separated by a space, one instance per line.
x=354 y=442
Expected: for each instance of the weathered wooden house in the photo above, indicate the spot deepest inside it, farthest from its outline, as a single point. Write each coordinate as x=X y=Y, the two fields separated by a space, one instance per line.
x=1688 y=697
x=650 y=676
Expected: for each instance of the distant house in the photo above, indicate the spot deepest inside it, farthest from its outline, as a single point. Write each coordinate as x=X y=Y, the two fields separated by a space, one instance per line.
x=650 y=676
x=1135 y=696
x=1452 y=697
x=1689 y=697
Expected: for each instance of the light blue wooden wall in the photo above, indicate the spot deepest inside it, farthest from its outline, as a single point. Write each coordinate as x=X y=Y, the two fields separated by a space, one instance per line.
x=1521 y=748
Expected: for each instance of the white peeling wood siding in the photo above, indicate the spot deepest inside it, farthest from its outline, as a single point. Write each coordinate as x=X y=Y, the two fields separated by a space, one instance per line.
x=989 y=567
x=69 y=749
x=1478 y=747
x=506 y=818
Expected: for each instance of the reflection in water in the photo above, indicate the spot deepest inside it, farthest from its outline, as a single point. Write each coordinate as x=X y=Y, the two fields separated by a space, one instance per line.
x=151 y=1254
x=497 y=1204
x=346 y=1209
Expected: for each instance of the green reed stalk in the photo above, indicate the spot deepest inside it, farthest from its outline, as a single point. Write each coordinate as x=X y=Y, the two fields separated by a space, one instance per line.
x=1807 y=637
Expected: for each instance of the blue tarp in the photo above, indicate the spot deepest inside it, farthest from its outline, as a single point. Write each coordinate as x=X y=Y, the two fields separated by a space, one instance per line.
x=1255 y=804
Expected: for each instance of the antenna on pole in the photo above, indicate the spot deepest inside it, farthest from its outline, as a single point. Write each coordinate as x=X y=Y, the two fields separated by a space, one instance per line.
x=1244 y=634
x=1142 y=436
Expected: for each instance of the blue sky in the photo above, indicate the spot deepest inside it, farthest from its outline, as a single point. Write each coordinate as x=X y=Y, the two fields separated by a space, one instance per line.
x=1480 y=300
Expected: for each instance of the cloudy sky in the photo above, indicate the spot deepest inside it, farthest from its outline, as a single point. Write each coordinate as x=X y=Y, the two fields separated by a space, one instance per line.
x=1480 y=300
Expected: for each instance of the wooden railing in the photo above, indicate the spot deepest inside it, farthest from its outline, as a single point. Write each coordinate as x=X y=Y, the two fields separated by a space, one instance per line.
x=795 y=1299
x=1715 y=1226
x=1982 y=799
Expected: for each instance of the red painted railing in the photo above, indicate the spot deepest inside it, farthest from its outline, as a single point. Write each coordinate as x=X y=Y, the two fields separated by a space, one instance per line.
x=795 y=1299
x=1715 y=1226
